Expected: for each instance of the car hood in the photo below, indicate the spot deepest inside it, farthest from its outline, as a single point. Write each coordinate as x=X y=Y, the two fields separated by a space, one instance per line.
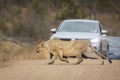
x=75 y=35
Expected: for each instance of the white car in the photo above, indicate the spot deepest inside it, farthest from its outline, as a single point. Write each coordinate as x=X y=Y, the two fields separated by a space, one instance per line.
x=75 y=29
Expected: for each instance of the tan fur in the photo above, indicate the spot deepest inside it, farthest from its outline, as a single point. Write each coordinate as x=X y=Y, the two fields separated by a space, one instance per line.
x=61 y=48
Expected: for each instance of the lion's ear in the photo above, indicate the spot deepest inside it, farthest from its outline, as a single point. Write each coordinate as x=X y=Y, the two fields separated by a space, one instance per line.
x=42 y=43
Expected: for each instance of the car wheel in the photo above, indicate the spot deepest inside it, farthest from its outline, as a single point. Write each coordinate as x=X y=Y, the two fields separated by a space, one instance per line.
x=105 y=53
x=105 y=48
x=100 y=48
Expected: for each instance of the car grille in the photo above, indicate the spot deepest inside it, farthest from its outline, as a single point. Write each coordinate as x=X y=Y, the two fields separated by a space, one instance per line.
x=70 y=39
x=82 y=39
x=66 y=39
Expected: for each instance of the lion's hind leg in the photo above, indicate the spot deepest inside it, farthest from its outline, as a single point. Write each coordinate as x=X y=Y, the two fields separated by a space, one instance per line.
x=98 y=56
x=60 y=54
x=79 y=57
x=92 y=50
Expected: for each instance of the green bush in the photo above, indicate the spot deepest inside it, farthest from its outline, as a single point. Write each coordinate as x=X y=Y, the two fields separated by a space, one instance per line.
x=39 y=6
x=3 y=28
x=16 y=11
x=103 y=5
x=69 y=10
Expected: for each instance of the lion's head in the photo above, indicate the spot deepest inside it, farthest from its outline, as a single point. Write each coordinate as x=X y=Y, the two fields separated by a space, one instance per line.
x=41 y=47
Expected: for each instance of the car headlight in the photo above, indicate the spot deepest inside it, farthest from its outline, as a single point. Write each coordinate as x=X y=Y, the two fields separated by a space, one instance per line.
x=72 y=39
x=94 y=40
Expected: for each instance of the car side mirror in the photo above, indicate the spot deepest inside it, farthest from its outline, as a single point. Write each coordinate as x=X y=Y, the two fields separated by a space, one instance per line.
x=104 y=31
x=53 y=30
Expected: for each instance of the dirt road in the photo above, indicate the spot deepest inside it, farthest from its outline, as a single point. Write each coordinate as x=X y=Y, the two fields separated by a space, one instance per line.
x=39 y=70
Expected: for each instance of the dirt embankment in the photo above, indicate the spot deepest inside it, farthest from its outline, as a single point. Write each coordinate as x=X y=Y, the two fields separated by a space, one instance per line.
x=11 y=50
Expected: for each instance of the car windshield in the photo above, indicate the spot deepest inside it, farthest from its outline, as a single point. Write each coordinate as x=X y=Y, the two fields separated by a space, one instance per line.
x=77 y=26
x=114 y=42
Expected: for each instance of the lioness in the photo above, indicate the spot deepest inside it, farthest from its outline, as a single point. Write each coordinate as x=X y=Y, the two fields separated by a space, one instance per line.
x=61 y=48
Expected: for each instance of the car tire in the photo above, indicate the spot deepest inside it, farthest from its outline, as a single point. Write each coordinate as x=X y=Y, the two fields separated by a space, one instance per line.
x=104 y=45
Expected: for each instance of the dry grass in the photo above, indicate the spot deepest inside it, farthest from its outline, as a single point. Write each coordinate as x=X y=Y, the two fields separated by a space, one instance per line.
x=10 y=51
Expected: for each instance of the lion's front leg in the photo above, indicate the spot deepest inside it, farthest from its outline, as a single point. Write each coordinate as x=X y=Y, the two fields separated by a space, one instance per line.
x=60 y=53
x=53 y=59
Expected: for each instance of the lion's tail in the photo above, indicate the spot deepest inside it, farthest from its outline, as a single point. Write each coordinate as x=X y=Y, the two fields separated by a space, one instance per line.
x=109 y=60
x=100 y=54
